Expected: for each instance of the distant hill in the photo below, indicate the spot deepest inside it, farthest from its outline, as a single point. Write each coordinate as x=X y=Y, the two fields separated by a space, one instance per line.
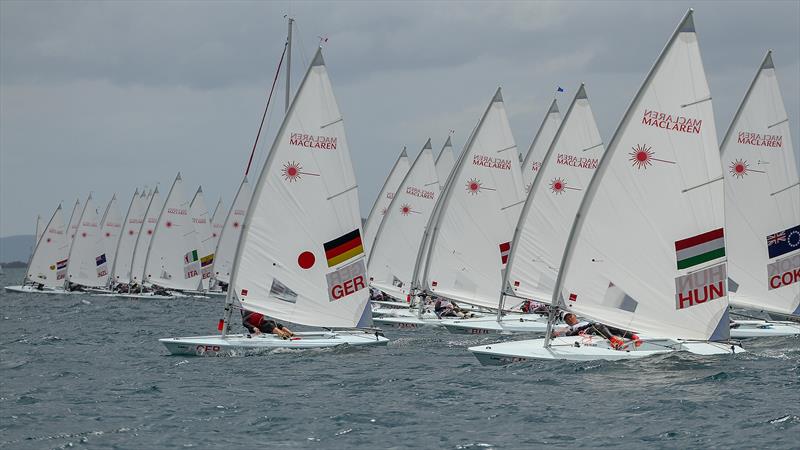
x=16 y=248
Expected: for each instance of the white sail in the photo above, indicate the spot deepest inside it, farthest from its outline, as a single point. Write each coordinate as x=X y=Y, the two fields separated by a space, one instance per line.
x=385 y=196
x=217 y=223
x=480 y=208
x=123 y=255
x=762 y=200
x=111 y=227
x=646 y=252
x=391 y=263
x=540 y=145
x=202 y=226
x=445 y=162
x=72 y=225
x=173 y=256
x=88 y=262
x=301 y=256
x=139 y=257
x=226 y=247
x=48 y=265
x=557 y=191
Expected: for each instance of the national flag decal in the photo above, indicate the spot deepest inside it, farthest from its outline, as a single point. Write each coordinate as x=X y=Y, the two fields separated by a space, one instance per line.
x=190 y=257
x=505 y=249
x=573 y=297
x=100 y=260
x=699 y=249
x=206 y=260
x=61 y=264
x=343 y=248
x=783 y=242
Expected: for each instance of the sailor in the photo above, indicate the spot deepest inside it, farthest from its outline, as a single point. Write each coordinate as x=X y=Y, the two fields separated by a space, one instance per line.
x=615 y=336
x=257 y=323
x=532 y=307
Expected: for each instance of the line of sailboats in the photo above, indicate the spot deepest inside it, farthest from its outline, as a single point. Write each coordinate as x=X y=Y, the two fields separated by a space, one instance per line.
x=660 y=230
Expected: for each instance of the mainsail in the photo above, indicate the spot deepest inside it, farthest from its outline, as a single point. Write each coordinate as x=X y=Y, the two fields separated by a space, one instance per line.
x=445 y=162
x=540 y=145
x=387 y=192
x=123 y=256
x=391 y=262
x=567 y=167
x=217 y=222
x=110 y=227
x=88 y=263
x=480 y=207
x=173 y=257
x=202 y=225
x=226 y=247
x=48 y=265
x=145 y=235
x=300 y=257
x=647 y=251
x=762 y=200
x=72 y=225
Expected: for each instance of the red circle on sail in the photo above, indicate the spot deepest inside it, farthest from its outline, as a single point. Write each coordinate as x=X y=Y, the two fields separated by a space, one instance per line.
x=169 y=224
x=48 y=240
x=130 y=232
x=83 y=234
x=306 y=260
x=108 y=234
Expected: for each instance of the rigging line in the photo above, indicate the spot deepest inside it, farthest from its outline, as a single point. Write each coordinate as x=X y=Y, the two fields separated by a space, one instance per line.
x=698 y=101
x=700 y=185
x=264 y=116
x=778 y=123
x=785 y=189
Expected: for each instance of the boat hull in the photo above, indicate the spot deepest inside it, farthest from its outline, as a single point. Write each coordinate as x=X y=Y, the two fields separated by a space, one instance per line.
x=27 y=289
x=216 y=345
x=507 y=325
x=762 y=328
x=582 y=348
x=406 y=322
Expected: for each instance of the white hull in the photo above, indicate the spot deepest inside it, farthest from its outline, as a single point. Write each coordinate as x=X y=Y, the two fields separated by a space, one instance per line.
x=150 y=295
x=580 y=348
x=487 y=325
x=762 y=328
x=390 y=305
x=394 y=312
x=28 y=289
x=406 y=323
x=240 y=343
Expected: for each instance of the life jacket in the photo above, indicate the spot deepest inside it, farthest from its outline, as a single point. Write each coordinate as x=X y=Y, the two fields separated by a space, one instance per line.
x=253 y=319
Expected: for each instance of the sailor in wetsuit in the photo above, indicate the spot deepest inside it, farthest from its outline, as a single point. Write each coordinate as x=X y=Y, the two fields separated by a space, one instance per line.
x=615 y=336
x=258 y=323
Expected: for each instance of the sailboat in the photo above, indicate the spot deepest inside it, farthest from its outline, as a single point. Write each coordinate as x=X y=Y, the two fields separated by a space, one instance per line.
x=173 y=258
x=646 y=251
x=385 y=195
x=300 y=257
x=202 y=227
x=556 y=192
x=110 y=227
x=88 y=264
x=47 y=268
x=139 y=256
x=540 y=145
x=231 y=230
x=123 y=254
x=391 y=263
x=762 y=209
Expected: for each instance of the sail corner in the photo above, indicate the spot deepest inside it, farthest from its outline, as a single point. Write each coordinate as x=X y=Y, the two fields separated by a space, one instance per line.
x=427 y=145
x=687 y=25
x=318 y=60
x=581 y=95
x=553 y=107
x=723 y=330
x=498 y=96
x=767 y=64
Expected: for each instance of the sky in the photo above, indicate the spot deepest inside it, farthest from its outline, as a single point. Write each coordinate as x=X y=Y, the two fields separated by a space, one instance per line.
x=105 y=97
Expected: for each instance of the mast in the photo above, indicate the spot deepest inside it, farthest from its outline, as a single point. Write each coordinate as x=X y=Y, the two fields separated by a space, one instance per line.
x=288 y=65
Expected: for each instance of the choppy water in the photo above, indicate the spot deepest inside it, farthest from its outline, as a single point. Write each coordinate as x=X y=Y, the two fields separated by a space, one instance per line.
x=89 y=372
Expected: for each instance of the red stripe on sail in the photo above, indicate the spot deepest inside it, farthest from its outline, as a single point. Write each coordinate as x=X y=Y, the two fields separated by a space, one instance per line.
x=336 y=251
x=699 y=239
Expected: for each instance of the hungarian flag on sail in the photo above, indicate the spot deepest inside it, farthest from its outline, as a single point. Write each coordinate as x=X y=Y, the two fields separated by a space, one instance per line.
x=700 y=249
x=343 y=248
x=783 y=242
x=505 y=249
x=190 y=257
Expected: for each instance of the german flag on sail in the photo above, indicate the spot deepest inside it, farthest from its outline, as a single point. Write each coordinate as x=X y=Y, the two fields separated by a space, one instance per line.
x=343 y=248
x=700 y=249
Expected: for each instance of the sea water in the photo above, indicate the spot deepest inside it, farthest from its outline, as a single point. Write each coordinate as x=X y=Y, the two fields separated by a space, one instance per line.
x=88 y=372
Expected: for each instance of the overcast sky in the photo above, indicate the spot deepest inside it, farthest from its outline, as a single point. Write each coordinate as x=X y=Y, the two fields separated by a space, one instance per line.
x=108 y=96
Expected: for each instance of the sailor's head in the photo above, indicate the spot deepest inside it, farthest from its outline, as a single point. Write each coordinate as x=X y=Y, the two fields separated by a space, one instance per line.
x=570 y=319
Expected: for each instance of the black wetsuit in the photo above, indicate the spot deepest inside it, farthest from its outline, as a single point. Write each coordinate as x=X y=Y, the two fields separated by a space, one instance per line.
x=598 y=329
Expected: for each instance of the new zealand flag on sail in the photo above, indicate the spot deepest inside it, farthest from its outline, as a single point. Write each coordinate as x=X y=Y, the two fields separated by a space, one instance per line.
x=783 y=242
x=100 y=260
